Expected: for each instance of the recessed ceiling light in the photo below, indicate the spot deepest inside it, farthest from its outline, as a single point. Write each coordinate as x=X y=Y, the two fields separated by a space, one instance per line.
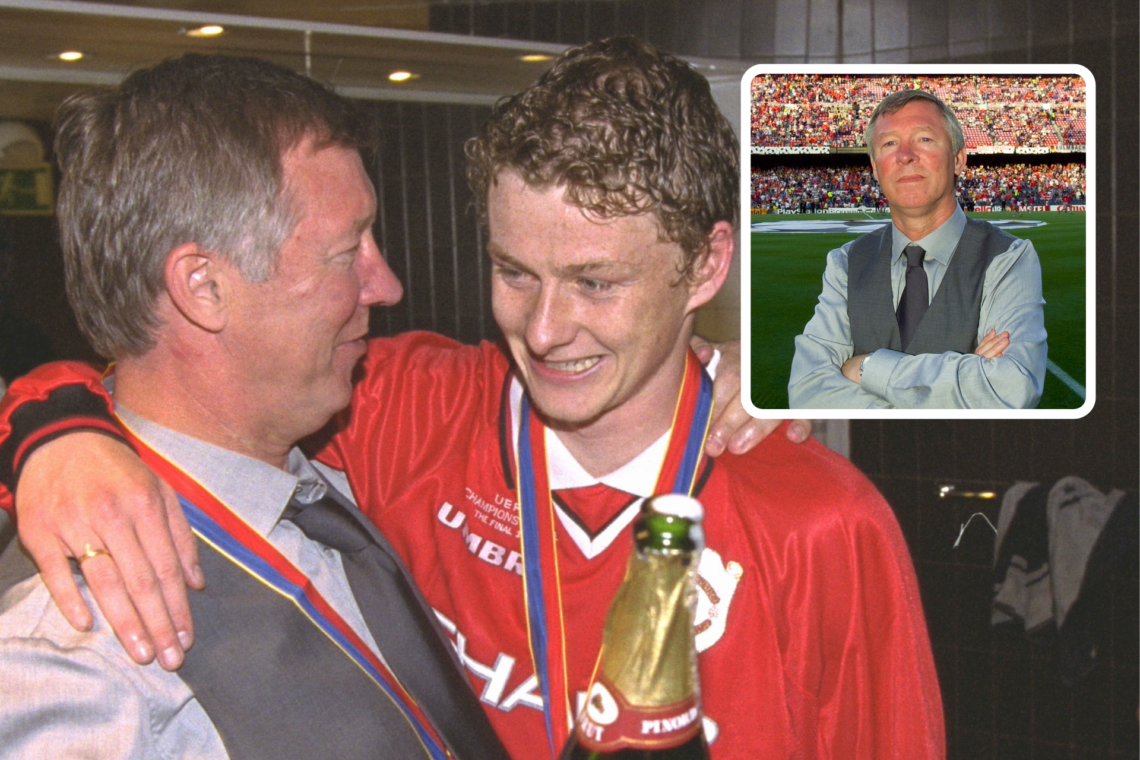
x=70 y=55
x=536 y=58
x=210 y=30
x=402 y=76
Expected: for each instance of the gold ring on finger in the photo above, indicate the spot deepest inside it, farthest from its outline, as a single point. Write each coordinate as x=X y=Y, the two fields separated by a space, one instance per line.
x=89 y=552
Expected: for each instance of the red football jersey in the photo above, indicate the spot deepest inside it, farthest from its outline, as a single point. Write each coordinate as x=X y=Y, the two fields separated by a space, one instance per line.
x=809 y=625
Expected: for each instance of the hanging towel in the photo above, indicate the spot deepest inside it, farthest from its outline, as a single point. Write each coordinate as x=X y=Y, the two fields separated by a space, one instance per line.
x=1090 y=533
x=1053 y=552
x=1021 y=560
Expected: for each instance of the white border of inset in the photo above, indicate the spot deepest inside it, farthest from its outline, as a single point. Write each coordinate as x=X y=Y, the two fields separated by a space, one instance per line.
x=880 y=69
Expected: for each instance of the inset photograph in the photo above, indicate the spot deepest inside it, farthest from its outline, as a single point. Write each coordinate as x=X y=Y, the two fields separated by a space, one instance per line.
x=919 y=243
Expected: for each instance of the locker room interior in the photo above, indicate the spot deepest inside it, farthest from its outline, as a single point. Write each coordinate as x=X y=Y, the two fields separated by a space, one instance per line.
x=1003 y=696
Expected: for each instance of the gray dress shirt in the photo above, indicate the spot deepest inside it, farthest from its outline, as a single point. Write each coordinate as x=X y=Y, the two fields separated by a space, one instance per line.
x=1011 y=302
x=66 y=694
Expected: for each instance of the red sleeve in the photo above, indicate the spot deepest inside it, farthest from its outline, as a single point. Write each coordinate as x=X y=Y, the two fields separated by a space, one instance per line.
x=417 y=395
x=861 y=681
x=878 y=690
x=49 y=401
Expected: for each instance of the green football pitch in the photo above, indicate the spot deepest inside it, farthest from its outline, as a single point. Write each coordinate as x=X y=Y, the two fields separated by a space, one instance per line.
x=787 y=277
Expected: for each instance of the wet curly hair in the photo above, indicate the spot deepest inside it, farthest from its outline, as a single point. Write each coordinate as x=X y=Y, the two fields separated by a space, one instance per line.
x=626 y=129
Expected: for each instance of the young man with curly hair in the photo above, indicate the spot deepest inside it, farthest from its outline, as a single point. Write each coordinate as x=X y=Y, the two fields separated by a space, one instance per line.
x=609 y=190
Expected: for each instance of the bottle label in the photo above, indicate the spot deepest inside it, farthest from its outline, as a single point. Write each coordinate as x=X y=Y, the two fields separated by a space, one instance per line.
x=608 y=722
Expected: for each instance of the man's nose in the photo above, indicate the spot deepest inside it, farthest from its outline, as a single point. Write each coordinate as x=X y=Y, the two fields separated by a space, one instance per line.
x=378 y=283
x=905 y=153
x=551 y=320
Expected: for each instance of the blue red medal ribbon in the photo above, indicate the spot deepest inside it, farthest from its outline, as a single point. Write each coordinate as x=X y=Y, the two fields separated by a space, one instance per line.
x=216 y=524
x=541 y=583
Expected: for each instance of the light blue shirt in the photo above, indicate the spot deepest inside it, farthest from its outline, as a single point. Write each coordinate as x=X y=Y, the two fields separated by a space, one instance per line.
x=1011 y=302
x=66 y=694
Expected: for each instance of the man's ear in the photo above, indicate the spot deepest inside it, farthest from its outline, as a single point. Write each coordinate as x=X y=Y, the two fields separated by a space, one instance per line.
x=196 y=283
x=959 y=162
x=875 y=171
x=712 y=269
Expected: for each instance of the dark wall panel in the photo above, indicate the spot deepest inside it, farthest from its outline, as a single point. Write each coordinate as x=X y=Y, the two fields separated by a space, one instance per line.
x=427 y=226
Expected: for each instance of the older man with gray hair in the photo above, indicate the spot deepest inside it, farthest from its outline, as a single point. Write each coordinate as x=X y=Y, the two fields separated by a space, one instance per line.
x=216 y=223
x=935 y=310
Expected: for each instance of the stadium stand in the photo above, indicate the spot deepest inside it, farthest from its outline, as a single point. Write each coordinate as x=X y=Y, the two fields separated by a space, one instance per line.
x=997 y=112
x=810 y=189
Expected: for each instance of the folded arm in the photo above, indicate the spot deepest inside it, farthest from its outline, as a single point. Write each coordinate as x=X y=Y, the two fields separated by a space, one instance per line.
x=1007 y=371
x=1011 y=303
x=817 y=380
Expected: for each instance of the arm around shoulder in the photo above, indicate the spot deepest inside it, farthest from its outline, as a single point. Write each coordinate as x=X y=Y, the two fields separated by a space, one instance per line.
x=80 y=492
x=415 y=393
x=49 y=401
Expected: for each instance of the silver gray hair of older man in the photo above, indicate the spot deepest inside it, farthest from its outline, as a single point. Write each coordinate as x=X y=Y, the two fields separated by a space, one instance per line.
x=894 y=102
x=187 y=151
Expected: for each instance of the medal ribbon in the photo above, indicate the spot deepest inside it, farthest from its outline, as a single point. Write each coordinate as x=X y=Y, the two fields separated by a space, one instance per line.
x=541 y=585
x=213 y=522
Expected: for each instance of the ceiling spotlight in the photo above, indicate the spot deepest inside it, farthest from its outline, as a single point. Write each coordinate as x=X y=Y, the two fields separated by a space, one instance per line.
x=70 y=55
x=402 y=76
x=210 y=30
x=536 y=58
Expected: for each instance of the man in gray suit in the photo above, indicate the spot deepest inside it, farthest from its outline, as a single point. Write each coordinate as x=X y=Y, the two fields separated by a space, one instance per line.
x=216 y=222
x=934 y=311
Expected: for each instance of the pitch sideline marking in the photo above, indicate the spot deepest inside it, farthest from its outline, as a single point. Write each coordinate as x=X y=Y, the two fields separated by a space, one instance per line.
x=1066 y=378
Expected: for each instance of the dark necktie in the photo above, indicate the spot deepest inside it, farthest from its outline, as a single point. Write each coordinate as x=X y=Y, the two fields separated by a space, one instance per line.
x=412 y=646
x=915 y=296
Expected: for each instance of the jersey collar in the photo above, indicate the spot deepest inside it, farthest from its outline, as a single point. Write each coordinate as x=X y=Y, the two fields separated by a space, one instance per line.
x=636 y=477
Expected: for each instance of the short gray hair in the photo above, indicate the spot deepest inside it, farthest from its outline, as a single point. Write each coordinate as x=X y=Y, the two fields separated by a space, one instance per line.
x=187 y=151
x=894 y=103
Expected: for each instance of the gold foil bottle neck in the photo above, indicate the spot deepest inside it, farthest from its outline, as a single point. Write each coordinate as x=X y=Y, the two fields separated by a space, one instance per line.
x=647 y=645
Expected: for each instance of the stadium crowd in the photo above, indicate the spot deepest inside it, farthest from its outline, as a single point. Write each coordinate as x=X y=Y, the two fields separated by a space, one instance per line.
x=808 y=110
x=807 y=190
x=1024 y=185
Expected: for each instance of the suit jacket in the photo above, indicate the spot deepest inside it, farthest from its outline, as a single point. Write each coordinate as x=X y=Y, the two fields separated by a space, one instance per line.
x=261 y=674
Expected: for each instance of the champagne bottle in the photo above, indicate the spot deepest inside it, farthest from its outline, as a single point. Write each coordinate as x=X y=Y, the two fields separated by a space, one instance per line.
x=644 y=702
